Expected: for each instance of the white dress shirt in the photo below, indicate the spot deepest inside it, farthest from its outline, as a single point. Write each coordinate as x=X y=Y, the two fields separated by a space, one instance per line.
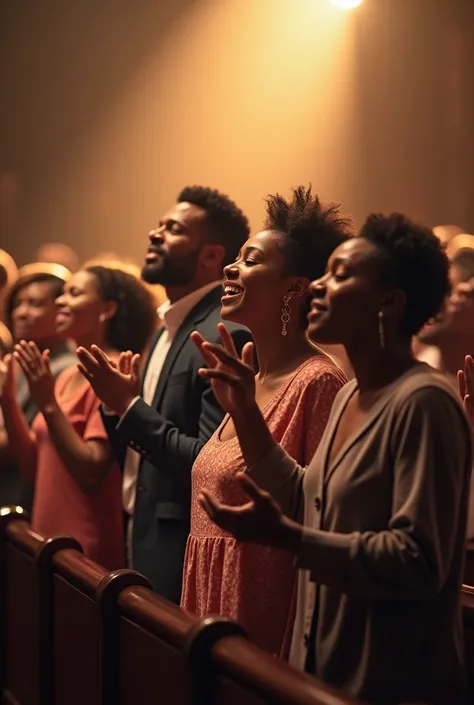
x=173 y=316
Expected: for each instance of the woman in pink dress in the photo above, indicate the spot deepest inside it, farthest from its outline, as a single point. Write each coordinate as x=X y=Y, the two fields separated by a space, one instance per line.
x=66 y=451
x=266 y=289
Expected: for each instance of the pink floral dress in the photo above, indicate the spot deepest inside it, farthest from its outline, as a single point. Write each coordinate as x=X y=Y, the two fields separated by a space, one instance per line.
x=254 y=585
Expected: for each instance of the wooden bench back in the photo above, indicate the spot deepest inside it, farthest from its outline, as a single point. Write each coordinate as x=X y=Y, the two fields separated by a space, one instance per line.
x=74 y=633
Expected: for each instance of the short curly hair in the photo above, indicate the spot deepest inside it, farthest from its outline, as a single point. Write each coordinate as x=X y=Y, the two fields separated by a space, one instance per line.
x=414 y=260
x=227 y=224
x=311 y=230
x=135 y=318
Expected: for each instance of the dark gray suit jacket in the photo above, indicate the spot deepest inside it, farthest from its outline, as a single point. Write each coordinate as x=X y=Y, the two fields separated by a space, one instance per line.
x=169 y=435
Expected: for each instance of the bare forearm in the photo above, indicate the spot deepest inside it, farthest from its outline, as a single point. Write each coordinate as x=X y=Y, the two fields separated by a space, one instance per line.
x=255 y=438
x=87 y=467
x=5 y=454
x=21 y=440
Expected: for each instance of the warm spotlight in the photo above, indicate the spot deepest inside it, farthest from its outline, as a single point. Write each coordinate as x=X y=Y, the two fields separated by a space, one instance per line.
x=346 y=4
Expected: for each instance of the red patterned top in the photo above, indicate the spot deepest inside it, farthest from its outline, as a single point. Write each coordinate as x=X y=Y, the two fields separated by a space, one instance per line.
x=60 y=506
x=255 y=585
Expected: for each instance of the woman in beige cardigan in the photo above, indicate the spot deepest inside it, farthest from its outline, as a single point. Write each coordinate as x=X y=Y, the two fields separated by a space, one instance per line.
x=384 y=500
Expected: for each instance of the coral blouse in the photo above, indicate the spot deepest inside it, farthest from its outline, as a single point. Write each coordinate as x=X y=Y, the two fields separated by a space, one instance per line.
x=60 y=506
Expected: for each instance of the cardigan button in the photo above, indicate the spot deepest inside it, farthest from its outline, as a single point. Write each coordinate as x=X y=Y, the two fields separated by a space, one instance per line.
x=317 y=504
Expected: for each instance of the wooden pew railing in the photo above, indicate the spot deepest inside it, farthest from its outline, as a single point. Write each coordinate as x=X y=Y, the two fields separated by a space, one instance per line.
x=467 y=601
x=72 y=633
x=469 y=564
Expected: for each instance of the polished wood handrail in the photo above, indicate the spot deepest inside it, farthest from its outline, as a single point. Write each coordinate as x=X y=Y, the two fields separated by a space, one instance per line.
x=207 y=648
x=156 y=614
x=80 y=571
x=237 y=658
x=19 y=533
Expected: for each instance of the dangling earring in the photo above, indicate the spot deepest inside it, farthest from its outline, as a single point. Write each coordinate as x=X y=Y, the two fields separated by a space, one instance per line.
x=381 y=331
x=102 y=317
x=285 y=314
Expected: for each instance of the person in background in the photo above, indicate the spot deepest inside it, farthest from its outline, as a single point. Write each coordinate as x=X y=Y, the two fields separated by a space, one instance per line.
x=425 y=346
x=31 y=315
x=450 y=336
x=127 y=264
x=266 y=290
x=59 y=253
x=66 y=451
x=158 y=427
x=381 y=539
x=8 y=276
x=462 y=264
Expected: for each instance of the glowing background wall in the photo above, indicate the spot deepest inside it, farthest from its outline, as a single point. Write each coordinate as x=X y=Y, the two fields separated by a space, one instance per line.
x=109 y=107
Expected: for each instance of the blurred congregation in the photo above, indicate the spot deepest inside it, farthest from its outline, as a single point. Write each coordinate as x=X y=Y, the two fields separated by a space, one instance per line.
x=270 y=419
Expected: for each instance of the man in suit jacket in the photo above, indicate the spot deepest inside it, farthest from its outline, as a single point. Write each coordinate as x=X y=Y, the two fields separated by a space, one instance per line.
x=158 y=429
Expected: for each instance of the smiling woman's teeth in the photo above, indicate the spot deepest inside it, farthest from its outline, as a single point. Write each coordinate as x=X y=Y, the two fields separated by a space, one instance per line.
x=230 y=290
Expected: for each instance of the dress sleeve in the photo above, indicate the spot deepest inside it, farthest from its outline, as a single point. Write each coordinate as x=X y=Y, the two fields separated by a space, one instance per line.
x=278 y=473
x=94 y=427
x=411 y=558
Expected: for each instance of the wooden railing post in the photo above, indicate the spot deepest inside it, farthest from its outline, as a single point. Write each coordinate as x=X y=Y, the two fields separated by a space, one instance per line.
x=7 y=515
x=198 y=652
x=45 y=596
x=106 y=598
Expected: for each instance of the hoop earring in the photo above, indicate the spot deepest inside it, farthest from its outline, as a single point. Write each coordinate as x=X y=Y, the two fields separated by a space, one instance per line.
x=381 y=331
x=285 y=314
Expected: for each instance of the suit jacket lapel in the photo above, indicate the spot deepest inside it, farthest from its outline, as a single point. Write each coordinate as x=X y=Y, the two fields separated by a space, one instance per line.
x=197 y=314
x=154 y=341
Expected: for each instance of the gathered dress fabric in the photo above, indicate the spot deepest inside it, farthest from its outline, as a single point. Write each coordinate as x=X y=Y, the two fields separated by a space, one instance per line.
x=253 y=584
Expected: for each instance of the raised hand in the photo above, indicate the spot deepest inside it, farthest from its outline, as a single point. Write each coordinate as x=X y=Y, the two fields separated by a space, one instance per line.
x=7 y=377
x=232 y=377
x=258 y=521
x=466 y=388
x=36 y=368
x=115 y=383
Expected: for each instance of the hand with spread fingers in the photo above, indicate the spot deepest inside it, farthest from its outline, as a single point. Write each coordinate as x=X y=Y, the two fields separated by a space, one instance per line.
x=258 y=521
x=232 y=377
x=36 y=368
x=466 y=388
x=115 y=383
x=7 y=377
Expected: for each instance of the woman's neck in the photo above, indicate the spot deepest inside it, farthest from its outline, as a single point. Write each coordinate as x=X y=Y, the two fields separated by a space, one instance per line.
x=375 y=369
x=278 y=355
x=89 y=339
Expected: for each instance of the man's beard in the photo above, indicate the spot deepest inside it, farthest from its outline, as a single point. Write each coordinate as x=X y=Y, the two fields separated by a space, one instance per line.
x=179 y=271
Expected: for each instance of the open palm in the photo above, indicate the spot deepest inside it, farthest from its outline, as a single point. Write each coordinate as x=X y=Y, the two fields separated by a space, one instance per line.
x=466 y=388
x=232 y=377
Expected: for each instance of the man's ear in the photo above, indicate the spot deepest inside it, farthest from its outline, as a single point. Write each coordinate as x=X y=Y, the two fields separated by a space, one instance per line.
x=212 y=256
